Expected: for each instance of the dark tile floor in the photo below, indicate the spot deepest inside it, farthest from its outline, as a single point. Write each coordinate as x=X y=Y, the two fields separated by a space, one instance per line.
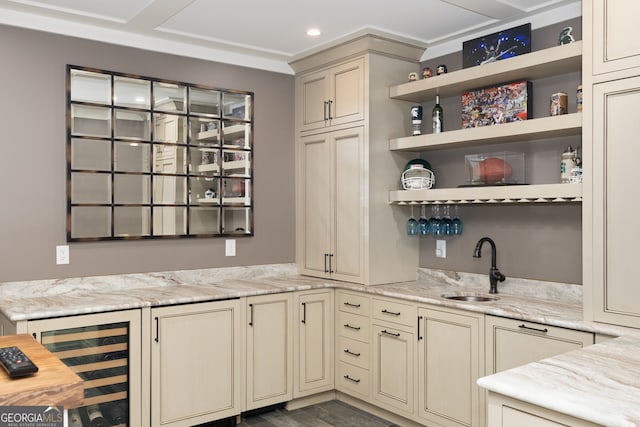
x=327 y=414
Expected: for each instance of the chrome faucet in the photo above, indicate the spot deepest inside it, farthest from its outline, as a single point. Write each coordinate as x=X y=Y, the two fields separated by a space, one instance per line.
x=494 y=273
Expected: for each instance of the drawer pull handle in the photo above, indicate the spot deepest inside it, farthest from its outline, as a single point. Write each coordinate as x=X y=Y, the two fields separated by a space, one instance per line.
x=347 y=303
x=393 y=334
x=352 y=353
x=523 y=326
x=419 y=321
x=356 y=328
x=347 y=377
x=385 y=311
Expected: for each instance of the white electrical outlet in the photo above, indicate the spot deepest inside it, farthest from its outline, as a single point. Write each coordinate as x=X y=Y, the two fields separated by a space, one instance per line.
x=62 y=254
x=230 y=247
x=441 y=248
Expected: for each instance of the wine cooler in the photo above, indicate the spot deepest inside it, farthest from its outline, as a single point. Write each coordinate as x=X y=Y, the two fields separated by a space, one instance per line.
x=103 y=355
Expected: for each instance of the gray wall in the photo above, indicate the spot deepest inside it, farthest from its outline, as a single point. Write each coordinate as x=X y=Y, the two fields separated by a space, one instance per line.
x=33 y=170
x=534 y=241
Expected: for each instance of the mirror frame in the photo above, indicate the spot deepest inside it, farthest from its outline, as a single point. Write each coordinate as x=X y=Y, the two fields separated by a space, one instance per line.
x=232 y=184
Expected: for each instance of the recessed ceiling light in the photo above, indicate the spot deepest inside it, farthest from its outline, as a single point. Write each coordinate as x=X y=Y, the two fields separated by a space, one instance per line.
x=313 y=32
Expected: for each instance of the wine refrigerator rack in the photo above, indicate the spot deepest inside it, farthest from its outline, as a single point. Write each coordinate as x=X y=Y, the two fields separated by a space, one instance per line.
x=100 y=356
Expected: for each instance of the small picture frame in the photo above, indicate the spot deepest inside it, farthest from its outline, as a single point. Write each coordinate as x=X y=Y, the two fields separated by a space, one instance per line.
x=497 y=46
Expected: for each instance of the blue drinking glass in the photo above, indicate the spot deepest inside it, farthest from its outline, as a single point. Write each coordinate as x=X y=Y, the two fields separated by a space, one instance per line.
x=434 y=221
x=423 y=223
x=412 y=224
x=456 y=225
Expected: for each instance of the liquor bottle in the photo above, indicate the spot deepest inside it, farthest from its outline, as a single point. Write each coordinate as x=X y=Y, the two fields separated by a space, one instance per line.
x=96 y=419
x=116 y=411
x=74 y=418
x=437 y=116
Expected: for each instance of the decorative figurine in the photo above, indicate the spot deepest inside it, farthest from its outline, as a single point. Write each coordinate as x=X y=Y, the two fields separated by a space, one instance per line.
x=565 y=36
x=441 y=69
x=413 y=77
x=427 y=72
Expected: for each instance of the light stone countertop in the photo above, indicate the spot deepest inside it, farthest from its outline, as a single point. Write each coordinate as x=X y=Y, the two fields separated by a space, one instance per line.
x=600 y=383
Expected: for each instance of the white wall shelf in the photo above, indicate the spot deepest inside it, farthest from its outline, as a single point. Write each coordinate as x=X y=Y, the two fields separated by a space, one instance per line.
x=543 y=193
x=540 y=64
x=546 y=127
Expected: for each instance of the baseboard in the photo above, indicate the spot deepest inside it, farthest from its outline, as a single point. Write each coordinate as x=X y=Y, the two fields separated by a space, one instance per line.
x=314 y=399
x=379 y=412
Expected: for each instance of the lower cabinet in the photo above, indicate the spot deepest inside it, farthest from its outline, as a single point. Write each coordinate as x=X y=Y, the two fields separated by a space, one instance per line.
x=507 y=412
x=450 y=360
x=104 y=350
x=269 y=368
x=195 y=368
x=512 y=342
x=313 y=342
x=394 y=351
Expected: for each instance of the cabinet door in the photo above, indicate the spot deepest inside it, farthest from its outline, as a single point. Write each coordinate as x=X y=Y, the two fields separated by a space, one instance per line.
x=331 y=205
x=195 y=374
x=512 y=343
x=347 y=262
x=313 y=343
x=614 y=240
x=104 y=350
x=269 y=350
x=331 y=97
x=450 y=360
x=393 y=368
x=315 y=205
x=313 y=94
x=346 y=100
x=615 y=45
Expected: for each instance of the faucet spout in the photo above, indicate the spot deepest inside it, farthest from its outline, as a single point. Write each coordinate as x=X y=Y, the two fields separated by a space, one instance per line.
x=494 y=274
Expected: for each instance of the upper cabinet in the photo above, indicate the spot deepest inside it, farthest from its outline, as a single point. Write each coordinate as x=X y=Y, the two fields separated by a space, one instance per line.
x=615 y=44
x=549 y=62
x=331 y=97
x=345 y=228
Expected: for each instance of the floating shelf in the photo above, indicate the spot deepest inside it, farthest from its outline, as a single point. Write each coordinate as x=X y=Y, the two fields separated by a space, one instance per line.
x=540 y=64
x=543 y=193
x=546 y=127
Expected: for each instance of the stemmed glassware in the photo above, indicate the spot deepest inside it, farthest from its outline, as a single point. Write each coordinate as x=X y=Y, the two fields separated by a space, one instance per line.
x=434 y=221
x=423 y=222
x=412 y=224
x=456 y=224
x=446 y=222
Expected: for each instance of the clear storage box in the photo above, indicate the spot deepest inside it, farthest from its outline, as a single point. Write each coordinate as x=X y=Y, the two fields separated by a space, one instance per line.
x=498 y=168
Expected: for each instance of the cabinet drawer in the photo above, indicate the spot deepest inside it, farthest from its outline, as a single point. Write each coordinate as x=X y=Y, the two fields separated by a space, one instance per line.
x=352 y=379
x=354 y=352
x=512 y=342
x=393 y=311
x=353 y=326
x=352 y=303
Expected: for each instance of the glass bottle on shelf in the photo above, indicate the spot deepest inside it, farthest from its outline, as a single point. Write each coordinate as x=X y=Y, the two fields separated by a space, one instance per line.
x=437 y=116
x=96 y=419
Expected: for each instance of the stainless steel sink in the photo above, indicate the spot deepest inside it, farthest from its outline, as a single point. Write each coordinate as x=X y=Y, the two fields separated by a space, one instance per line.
x=469 y=298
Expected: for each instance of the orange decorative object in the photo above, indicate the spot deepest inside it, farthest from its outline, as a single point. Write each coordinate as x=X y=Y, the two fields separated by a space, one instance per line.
x=494 y=170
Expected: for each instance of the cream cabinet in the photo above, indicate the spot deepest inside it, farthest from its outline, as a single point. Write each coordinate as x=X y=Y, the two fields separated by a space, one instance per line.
x=511 y=342
x=610 y=236
x=269 y=368
x=345 y=227
x=332 y=216
x=507 y=412
x=450 y=361
x=614 y=44
x=353 y=351
x=394 y=355
x=332 y=96
x=313 y=342
x=195 y=363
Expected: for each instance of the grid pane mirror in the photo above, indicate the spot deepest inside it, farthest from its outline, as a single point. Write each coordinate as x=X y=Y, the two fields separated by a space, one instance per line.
x=151 y=158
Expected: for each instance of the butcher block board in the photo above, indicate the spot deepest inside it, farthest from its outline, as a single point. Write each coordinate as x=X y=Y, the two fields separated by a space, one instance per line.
x=53 y=385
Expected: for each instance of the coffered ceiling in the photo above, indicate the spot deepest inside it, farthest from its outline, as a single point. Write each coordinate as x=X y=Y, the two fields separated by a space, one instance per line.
x=268 y=34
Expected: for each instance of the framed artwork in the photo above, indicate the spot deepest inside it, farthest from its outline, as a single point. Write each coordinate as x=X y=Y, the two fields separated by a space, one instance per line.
x=497 y=46
x=497 y=105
